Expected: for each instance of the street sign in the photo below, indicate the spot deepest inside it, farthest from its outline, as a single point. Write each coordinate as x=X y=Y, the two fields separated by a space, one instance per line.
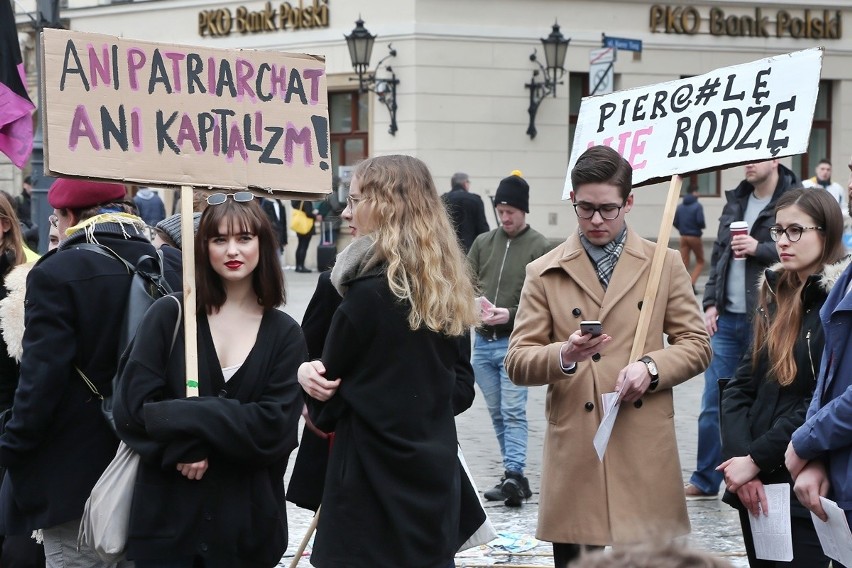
x=624 y=43
x=601 y=71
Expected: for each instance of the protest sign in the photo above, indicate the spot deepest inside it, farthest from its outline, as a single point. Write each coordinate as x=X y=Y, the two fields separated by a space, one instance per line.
x=744 y=113
x=162 y=114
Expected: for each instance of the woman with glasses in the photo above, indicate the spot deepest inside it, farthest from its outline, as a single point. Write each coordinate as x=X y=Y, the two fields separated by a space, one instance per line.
x=307 y=207
x=768 y=397
x=209 y=489
x=392 y=488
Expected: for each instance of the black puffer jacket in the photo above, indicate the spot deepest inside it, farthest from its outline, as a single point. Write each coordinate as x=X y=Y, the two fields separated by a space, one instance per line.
x=737 y=200
x=758 y=415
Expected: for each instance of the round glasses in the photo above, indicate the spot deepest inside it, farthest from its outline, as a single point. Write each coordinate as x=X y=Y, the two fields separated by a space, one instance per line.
x=220 y=198
x=352 y=202
x=793 y=232
x=608 y=212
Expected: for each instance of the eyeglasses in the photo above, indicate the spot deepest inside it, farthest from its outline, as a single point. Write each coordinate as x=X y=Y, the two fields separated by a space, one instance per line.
x=54 y=221
x=608 y=212
x=793 y=232
x=239 y=197
x=351 y=202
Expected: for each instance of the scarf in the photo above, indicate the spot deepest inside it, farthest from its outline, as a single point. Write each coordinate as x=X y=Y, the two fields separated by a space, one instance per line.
x=604 y=258
x=122 y=220
x=355 y=260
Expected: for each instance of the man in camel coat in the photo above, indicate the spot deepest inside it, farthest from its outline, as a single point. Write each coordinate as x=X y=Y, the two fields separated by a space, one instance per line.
x=600 y=273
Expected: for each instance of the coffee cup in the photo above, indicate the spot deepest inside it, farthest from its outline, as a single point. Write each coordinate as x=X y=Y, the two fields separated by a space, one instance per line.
x=738 y=228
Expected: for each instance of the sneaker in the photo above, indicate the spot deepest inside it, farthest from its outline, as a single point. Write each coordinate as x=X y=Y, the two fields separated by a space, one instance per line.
x=515 y=489
x=693 y=493
x=496 y=492
x=525 y=485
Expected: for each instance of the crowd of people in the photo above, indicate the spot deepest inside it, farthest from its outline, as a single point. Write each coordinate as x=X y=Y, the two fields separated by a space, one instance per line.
x=384 y=361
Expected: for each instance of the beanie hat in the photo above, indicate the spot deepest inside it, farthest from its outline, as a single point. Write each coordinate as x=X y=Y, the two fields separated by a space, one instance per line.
x=68 y=193
x=514 y=191
x=171 y=226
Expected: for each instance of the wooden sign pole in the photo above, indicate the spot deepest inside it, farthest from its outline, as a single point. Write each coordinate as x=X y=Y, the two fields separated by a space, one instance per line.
x=656 y=269
x=189 y=304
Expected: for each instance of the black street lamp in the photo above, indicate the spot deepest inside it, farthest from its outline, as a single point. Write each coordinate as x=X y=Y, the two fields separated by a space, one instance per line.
x=360 y=43
x=48 y=17
x=555 y=48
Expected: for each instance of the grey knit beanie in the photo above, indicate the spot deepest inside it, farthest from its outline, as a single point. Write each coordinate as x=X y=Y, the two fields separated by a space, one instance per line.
x=171 y=226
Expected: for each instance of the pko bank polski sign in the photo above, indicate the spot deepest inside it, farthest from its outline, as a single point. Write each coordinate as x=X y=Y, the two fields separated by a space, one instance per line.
x=744 y=113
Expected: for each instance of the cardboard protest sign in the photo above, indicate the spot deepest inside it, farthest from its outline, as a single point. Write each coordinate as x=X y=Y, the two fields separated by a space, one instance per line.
x=755 y=111
x=161 y=114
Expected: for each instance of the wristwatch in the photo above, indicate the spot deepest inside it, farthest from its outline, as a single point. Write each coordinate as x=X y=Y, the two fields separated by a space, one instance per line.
x=652 y=370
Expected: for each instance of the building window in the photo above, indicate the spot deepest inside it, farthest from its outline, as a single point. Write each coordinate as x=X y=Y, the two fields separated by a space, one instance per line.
x=578 y=87
x=819 y=145
x=348 y=120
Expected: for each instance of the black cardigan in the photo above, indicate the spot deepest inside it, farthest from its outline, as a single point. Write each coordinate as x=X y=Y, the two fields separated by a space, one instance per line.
x=246 y=428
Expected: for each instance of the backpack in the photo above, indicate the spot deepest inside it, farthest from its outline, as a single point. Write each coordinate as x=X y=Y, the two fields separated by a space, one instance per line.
x=147 y=285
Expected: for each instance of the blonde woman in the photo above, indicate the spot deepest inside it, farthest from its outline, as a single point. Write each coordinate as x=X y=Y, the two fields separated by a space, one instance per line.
x=392 y=489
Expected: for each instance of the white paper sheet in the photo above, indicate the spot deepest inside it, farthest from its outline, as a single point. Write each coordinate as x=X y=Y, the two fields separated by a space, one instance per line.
x=610 y=408
x=773 y=536
x=834 y=535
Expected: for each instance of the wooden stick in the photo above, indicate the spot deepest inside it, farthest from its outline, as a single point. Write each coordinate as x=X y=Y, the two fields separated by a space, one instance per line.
x=189 y=304
x=656 y=269
x=304 y=544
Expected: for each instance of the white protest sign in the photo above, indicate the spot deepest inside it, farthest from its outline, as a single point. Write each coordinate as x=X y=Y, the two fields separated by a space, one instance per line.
x=166 y=114
x=754 y=111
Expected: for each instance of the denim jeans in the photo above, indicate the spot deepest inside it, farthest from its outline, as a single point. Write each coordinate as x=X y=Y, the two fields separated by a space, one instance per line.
x=60 y=549
x=729 y=344
x=506 y=402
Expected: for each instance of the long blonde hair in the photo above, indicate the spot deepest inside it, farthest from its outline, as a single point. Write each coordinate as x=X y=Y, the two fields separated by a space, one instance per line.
x=413 y=235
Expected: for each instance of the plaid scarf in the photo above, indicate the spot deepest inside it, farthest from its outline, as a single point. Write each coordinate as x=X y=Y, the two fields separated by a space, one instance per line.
x=604 y=258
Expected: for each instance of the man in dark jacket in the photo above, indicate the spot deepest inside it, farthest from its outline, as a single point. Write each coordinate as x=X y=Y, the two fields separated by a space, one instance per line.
x=689 y=222
x=466 y=210
x=57 y=443
x=730 y=300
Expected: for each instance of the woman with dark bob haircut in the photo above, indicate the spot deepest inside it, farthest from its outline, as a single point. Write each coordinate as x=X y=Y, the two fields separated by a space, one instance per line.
x=209 y=489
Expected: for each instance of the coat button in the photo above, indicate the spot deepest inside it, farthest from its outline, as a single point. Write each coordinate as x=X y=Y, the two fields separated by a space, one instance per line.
x=589 y=406
x=203 y=547
x=576 y=312
x=596 y=357
x=638 y=404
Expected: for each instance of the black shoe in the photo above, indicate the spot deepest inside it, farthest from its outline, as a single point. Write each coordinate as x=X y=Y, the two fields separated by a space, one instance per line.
x=515 y=489
x=496 y=492
x=525 y=485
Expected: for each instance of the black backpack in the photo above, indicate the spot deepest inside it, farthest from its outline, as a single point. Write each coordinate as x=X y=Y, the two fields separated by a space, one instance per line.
x=147 y=285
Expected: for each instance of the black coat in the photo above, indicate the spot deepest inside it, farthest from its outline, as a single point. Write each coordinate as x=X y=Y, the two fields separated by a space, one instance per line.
x=766 y=255
x=58 y=443
x=393 y=487
x=279 y=222
x=467 y=214
x=758 y=415
x=235 y=515
x=307 y=480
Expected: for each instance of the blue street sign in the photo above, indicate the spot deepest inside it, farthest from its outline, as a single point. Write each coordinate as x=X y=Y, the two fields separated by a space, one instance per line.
x=623 y=43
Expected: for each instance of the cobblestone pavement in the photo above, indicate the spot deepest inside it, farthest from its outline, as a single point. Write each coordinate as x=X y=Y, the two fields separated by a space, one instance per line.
x=715 y=526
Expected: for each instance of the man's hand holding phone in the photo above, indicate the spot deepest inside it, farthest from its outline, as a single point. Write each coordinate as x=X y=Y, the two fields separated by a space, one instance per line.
x=584 y=343
x=491 y=314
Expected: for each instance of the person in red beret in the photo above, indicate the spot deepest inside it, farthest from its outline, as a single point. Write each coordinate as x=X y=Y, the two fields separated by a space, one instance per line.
x=56 y=443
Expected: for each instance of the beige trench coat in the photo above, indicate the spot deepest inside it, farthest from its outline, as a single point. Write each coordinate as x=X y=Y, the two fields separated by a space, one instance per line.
x=636 y=494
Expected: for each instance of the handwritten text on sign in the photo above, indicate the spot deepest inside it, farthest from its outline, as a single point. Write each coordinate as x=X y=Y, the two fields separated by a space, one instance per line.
x=749 y=112
x=146 y=112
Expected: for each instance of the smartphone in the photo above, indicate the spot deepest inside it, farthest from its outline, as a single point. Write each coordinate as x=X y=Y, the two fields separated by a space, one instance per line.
x=591 y=327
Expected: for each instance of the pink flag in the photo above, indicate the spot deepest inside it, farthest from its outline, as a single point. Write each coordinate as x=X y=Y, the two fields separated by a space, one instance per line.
x=16 y=123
